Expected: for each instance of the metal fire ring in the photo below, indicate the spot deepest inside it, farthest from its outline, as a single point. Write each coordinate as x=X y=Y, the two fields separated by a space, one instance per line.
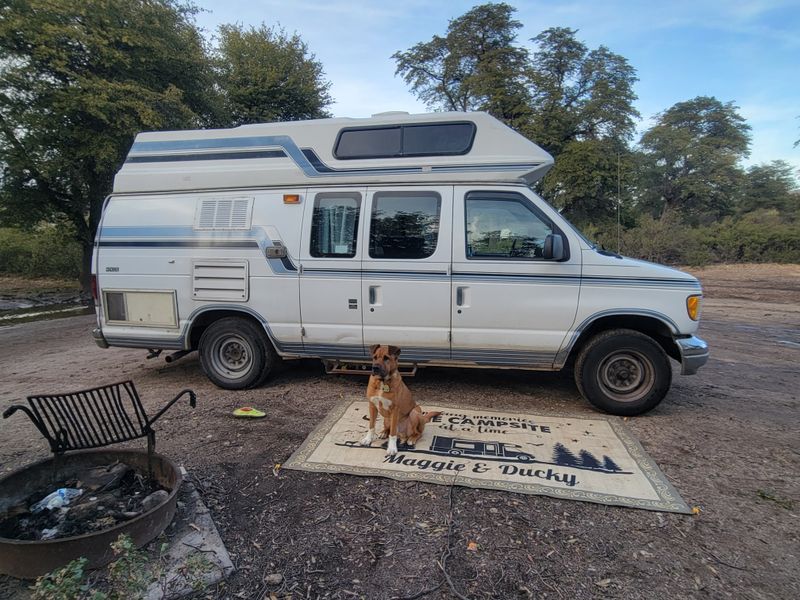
x=28 y=559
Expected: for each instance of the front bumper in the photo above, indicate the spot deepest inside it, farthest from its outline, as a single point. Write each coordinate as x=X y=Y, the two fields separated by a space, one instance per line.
x=99 y=338
x=694 y=354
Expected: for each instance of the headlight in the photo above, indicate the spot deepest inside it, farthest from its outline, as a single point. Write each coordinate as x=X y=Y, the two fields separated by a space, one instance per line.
x=693 y=307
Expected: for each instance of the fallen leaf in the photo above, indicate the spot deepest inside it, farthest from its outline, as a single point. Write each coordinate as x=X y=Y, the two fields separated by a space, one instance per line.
x=472 y=547
x=696 y=510
x=276 y=469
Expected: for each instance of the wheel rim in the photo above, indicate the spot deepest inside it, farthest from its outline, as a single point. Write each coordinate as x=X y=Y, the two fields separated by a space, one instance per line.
x=626 y=376
x=232 y=355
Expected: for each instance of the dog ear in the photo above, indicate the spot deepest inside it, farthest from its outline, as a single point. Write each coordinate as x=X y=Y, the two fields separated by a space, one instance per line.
x=394 y=351
x=373 y=348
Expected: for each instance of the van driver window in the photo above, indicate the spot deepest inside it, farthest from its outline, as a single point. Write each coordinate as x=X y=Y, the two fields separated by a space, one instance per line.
x=504 y=227
x=334 y=227
x=404 y=224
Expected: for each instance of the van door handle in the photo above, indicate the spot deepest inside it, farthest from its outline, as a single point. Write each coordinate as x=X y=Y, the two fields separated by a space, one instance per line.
x=373 y=294
x=459 y=296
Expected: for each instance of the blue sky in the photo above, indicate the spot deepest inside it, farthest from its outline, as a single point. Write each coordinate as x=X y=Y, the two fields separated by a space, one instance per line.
x=744 y=51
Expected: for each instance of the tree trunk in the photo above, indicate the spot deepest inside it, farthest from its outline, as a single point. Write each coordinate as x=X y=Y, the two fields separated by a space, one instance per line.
x=85 y=277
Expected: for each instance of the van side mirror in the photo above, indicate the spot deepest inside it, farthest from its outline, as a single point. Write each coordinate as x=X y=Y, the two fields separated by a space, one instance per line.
x=553 y=247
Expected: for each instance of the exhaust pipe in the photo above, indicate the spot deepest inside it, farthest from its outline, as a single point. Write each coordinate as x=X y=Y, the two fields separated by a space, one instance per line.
x=171 y=358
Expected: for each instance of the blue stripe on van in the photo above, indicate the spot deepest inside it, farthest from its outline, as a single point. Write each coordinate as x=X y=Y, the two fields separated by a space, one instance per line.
x=306 y=159
x=188 y=237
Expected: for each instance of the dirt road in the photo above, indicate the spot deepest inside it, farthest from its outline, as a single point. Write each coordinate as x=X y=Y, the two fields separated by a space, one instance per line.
x=728 y=439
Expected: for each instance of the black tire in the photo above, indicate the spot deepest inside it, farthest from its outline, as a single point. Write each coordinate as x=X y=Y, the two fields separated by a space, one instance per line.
x=623 y=372
x=236 y=354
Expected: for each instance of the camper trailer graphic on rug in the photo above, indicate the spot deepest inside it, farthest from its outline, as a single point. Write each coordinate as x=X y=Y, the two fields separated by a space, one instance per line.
x=476 y=448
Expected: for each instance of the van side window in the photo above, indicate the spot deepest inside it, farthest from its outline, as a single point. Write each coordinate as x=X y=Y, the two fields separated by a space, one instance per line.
x=334 y=226
x=504 y=226
x=404 y=224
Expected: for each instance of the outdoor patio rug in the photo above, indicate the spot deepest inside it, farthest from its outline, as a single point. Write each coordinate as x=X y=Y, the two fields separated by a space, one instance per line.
x=591 y=459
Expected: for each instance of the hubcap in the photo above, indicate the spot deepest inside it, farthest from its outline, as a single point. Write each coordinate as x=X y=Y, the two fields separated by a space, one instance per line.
x=626 y=376
x=232 y=356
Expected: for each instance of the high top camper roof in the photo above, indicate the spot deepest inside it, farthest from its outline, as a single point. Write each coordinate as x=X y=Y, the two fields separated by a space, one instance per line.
x=386 y=148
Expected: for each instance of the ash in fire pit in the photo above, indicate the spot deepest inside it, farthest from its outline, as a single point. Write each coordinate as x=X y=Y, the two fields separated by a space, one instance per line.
x=102 y=497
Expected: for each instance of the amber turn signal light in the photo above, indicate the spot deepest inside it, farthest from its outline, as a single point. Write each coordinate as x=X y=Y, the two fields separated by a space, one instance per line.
x=693 y=307
x=291 y=198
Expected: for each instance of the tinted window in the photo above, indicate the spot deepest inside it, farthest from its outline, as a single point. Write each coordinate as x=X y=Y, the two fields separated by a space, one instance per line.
x=446 y=138
x=334 y=228
x=369 y=143
x=436 y=139
x=504 y=227
x=404 y=225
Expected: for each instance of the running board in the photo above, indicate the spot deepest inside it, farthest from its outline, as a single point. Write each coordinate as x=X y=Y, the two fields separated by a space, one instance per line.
x=337 y=367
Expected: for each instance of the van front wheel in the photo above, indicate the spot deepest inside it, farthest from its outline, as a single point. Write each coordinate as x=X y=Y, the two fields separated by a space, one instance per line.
x=623 y=372
x=235 y=354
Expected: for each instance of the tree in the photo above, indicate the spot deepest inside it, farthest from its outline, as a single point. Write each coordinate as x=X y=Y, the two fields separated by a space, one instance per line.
x=690 y=159
x=588 y=460
x=769 y=186
x=610 y=465
x=563 y=456
x=586 y=179
x=475 y=66
x=77 y=81
x=579 y=94
x=266 y=75
x=583 y=114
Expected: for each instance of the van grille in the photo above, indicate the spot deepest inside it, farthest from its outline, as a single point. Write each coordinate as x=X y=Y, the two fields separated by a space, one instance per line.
x=220 y=280
x=224 y=213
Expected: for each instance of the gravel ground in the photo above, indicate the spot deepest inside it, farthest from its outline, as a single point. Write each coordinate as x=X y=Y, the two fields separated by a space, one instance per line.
x=728 y=439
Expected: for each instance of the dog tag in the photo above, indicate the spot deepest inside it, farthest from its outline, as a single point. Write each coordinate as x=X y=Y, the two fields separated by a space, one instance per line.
x=385 y=388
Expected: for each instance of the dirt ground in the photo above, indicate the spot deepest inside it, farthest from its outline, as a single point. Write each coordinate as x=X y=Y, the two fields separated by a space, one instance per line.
x=727 y=438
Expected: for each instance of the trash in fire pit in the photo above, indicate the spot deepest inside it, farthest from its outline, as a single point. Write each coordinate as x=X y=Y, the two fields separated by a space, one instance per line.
x=93 y=500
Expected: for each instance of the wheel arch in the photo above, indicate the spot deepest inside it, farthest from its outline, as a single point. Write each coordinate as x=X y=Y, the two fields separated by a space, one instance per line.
x=200 y=319
x=655 y=325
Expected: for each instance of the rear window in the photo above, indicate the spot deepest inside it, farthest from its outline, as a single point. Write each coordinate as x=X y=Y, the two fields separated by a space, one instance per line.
x=435 y=139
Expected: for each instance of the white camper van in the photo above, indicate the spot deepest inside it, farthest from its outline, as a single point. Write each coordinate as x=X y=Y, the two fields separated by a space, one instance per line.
x=321 y=238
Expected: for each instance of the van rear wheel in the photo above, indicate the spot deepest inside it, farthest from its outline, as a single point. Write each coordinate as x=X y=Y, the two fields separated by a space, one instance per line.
x=623 y=372
x=235 y=354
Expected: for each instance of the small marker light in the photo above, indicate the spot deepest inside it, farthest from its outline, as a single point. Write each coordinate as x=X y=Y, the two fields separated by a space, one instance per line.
x=693 y=307
x=291 y=198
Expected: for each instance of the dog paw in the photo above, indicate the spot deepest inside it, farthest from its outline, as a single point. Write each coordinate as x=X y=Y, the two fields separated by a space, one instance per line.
x=367 y=439
x=391 y=448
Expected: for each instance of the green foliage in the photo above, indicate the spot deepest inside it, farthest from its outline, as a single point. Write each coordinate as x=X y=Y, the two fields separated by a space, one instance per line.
x=66 y=583
x=690 y=159
x=583 y=183
x=579 y=94
x=77 y=81
x=128 y=574
x=266 y=75
x=475 y=66
x=762 y=236
x=768 y=186
x=46 y=251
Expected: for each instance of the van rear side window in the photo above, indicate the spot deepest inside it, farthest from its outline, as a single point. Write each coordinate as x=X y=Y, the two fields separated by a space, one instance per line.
x=334 y=228
x=404 y=224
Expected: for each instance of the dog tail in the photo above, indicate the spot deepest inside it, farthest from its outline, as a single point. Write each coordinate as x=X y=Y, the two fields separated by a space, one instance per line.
x=426 y=418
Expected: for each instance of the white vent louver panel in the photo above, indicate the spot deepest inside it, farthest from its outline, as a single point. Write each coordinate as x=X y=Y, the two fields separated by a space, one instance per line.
x=220 y=280
x=224 y=213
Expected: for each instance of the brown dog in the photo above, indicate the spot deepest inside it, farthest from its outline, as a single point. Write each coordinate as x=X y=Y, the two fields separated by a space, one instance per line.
x=410 y=428
x=387 y=396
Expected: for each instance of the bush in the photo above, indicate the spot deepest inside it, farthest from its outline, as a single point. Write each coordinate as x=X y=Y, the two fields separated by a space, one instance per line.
x=764 y=236
x=48 y=251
